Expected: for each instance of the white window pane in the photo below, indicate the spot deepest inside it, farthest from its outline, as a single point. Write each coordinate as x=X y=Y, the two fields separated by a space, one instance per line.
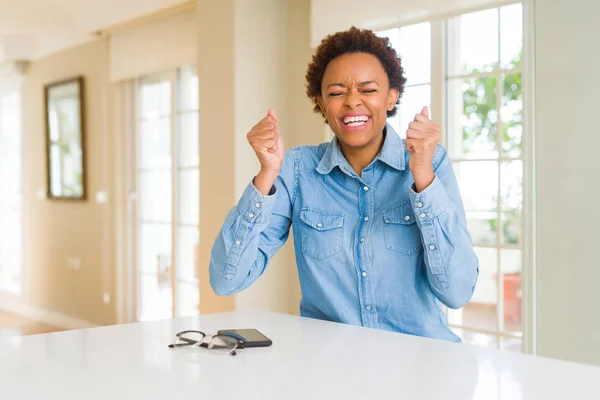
x=155 y=298
x=189 y=196
x=154 y=247
x=392 y=34
x=10 y=242
x=395 y=123
x=480 y=312
x=482 y=227
x=510 y=263
x=155 y=199
x=154 y=144
x=412 y=102
x=511 y=35
x=155 y=97
x=478 y=183
x=473 y=42
x=511 y=114
x=511 y=180
x=486 y=291
x=472 y=118
x=188 y=88
x=187 y=238
x=188 y=140
x=188 y=298
x=10 y=191
x=415 y=53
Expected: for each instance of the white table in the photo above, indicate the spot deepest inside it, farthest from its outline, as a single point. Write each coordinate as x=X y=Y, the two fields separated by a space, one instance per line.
x=309 y=359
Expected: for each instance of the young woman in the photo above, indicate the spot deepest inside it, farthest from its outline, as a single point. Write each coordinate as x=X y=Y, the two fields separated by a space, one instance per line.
x=380 y=232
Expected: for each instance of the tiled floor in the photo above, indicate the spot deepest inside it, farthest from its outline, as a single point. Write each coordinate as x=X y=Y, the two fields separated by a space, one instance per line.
x=13 y=325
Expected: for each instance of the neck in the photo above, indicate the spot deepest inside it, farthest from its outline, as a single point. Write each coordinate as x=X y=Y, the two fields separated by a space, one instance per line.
x=359 y=158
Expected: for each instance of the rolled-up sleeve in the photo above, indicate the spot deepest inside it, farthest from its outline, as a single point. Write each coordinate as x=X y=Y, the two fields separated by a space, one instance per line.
x=252 y=233
x=451 y=263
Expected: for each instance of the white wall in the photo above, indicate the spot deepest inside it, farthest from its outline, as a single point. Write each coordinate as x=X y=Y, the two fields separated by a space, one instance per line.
x=568 y=191
x=260 y=83
x=262 y=51
x=272 y=53
x=56 y=230
x=157 y=46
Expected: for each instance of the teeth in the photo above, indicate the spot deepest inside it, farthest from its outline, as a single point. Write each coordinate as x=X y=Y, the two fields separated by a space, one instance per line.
x=358 y=123
x=359 y=118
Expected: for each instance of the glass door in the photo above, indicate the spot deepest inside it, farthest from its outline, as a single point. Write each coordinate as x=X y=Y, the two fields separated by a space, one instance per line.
x=167 y=169
x=10 y=189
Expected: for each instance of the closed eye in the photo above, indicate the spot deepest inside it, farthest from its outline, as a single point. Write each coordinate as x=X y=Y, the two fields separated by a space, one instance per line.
x=335 y=94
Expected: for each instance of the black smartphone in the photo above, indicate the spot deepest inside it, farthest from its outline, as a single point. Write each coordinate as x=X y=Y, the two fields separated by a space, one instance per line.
x=250 y=337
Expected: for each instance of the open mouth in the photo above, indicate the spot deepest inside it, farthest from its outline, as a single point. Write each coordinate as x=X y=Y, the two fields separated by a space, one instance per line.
x=355 y=120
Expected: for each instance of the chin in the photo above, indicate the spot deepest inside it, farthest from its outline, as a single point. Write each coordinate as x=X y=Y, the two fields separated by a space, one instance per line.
x=354 y=140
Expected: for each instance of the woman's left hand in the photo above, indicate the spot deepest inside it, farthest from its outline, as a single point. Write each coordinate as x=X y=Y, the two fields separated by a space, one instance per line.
x=422 y=137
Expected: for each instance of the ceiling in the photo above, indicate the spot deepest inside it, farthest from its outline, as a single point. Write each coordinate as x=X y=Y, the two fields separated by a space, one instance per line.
x=30 y=29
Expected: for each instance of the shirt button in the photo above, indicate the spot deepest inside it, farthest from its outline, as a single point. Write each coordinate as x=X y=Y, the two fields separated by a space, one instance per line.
x=237 y=242
x=366 y=188
x=251 y=215
x=257 y=205
x=419 y=204
x=423 y=215
x=431 y=247
x=364 y=274
x=368 y=308
x=320 y=225
x=366 y=219
x=362 y=240
x=407 y=218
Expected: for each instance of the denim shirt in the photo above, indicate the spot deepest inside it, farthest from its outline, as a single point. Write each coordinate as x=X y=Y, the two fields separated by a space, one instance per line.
x=370 y=251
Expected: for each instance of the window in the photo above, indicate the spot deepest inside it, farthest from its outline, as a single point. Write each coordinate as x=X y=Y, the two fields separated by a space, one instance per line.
x=167 y=194
x=483 y=132
x=10 y=187
x=484 y=137
x=413 y=44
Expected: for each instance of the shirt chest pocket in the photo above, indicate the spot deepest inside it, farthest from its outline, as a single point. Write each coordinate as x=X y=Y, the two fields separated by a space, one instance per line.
x=322 y=233
x=400 y=231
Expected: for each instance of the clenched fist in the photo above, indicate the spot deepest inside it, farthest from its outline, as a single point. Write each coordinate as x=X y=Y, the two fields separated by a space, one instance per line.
x=267 y=143
x=422 y=137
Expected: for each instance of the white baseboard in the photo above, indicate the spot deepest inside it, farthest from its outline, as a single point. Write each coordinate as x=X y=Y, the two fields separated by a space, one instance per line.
x=14 y=305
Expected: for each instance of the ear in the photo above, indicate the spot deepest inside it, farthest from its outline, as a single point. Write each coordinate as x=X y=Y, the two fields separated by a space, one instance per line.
x=321 y=105
x=393 y=95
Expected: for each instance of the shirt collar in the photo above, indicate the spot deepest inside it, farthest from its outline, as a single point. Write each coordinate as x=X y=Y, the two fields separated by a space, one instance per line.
x=392 y=153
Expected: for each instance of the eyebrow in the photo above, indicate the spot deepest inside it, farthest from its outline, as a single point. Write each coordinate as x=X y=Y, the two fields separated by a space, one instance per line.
x=365 y=83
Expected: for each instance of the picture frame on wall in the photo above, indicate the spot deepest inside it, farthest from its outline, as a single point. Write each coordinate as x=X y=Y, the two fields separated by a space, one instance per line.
x=65 y=139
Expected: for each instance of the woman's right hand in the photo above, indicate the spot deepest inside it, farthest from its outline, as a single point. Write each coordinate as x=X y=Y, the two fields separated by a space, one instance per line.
x=267 y=143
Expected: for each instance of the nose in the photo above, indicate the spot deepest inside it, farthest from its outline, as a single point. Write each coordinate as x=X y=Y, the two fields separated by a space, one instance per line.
x=353 y=99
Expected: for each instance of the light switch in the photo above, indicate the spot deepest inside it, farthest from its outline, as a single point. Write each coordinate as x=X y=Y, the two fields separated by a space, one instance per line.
x=101 y=197
x=73 y=263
